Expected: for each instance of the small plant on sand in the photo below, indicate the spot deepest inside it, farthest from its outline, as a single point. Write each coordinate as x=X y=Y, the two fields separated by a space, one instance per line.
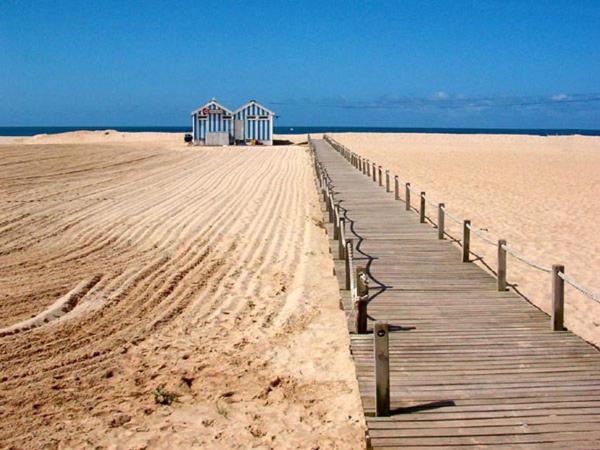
x=164 y=397
x=222 y=410
x=319 y=223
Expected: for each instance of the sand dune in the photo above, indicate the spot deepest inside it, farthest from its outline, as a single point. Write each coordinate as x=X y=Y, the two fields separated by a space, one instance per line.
x=539 y=193
x=212 y=281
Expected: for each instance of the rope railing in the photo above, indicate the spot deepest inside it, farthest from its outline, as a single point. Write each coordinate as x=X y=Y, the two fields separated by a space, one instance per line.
x=429 y=202
x=481 y=236
x=467 y=228
x=526 y=260
x=584 y=290
x=452 y=217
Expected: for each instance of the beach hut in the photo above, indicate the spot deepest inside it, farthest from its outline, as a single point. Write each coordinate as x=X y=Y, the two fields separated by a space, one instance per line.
x=212 y=124
x=254 y=123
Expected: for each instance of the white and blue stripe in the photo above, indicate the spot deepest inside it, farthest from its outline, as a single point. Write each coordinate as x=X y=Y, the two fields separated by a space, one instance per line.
x=212 y=122
x=258 y=122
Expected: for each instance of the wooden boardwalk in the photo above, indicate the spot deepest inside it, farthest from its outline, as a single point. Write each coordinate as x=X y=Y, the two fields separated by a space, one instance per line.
x=470 y=367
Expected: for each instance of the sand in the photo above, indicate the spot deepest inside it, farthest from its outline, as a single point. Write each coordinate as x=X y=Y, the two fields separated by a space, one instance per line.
x=539 y=193
x=134 y=266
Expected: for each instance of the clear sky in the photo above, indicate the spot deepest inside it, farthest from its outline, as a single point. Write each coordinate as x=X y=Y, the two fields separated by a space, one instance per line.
x=524 y=64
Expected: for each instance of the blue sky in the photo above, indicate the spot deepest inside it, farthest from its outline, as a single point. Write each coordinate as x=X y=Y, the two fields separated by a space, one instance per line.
x=524 y=64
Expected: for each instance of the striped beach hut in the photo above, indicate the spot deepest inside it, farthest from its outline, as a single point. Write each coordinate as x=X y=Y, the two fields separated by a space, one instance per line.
x=254 y=122
x=212 y=124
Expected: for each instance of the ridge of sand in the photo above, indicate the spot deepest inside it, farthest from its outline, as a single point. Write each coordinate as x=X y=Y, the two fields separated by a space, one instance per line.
x=105 y=136
x=58 y=309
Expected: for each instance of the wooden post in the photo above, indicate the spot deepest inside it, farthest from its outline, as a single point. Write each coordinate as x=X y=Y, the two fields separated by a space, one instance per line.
x=407 y=196
x=396 y=187
x=380 y=171
x=362 y=298
x=342 y=238
x=368 y=168
x=558 y=298
x=381 y=333
x=331 y=209
x=466 y=241
x=360 y=164
x=348 y=254
x=387 y=181
x=362 y=288
x=374 y=172
x=501 y=265
x=422 y=208
x=336 y=223
x=360 y=318
x=441 y=218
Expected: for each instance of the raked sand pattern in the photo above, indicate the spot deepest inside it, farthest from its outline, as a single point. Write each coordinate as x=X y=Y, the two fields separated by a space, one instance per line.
x=129 y=266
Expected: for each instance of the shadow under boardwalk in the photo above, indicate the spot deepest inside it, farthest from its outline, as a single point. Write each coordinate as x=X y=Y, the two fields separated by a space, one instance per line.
x=470 y=367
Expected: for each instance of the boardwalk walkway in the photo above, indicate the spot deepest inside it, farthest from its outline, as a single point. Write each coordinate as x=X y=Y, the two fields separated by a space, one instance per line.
x=470 y=367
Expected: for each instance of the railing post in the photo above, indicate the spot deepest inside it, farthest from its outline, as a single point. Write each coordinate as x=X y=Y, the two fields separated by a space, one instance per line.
x=407 y=195
x=342 y=238
x=387 y=181
x=336 y=223
x=348 y=254
x=361 y=314
x=362 y=299
x=368 y=168
x=466 y=250
x=422 y=208
x=380 y=171
x=331 y=209
x=501 y=265
x=396 y=187
x=558 y=298
x=381 y=333
x=374 y=172
x=441 y=218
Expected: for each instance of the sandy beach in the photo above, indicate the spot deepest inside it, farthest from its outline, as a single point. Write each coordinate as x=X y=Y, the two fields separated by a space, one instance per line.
x=539 y=193
x=156 y=295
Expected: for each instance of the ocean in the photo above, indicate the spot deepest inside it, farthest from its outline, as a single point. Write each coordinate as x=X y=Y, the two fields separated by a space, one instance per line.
x=31 y=131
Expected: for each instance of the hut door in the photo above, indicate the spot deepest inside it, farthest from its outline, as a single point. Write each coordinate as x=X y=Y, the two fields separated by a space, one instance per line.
x=251 y=128
x=263 y=130
x=239 y=129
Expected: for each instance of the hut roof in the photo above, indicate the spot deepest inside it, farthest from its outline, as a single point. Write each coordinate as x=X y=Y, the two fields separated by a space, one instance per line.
x=254 y=102
x=212 y=102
